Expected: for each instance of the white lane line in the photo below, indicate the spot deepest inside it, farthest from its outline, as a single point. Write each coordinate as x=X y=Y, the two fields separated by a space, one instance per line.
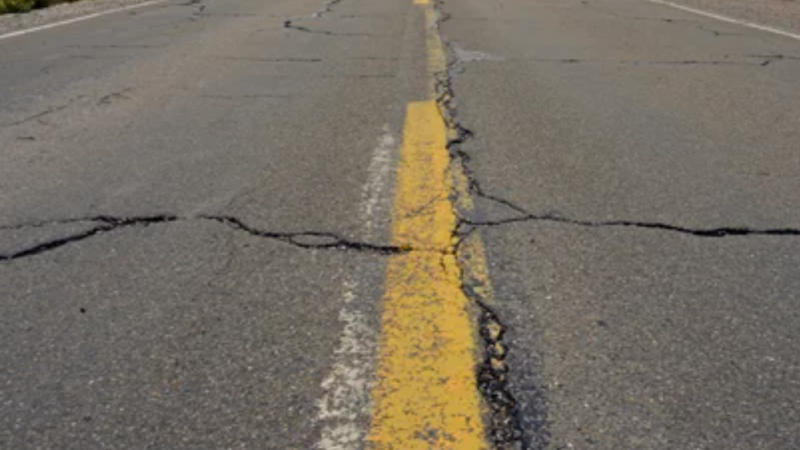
x=374 y=194
x=345 y=403
x=345 y=407
x=722 y=18
x=77 y=19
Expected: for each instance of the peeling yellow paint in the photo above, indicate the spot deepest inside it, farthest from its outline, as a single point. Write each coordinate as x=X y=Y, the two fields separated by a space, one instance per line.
x=426 y=395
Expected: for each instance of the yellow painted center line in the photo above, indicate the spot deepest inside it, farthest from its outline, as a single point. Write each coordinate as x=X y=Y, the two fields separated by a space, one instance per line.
x=426 y=395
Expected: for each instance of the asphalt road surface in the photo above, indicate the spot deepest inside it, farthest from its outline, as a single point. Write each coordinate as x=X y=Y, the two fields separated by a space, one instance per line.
x=400 y=225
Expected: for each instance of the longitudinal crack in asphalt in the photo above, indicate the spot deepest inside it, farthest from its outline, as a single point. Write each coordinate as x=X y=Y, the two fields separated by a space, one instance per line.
x=326 y=8
x=461 y=134
x=504 y=429
x=104 y=224
x=494 y=376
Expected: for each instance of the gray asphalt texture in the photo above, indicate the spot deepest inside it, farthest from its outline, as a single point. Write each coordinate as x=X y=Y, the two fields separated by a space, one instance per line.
x=620 y=133
x=780 y=14
x=181 y=195
x=170 y=328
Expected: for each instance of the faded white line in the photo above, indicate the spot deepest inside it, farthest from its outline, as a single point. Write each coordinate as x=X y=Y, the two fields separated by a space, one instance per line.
x=77 y=19
x=722 y=18
x=374 y=196
x=346 y=399
x=344 y=408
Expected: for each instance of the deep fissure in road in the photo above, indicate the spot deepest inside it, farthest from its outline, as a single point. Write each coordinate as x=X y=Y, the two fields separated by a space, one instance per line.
x=504 y=427
x=106 y=224
x=711 y=232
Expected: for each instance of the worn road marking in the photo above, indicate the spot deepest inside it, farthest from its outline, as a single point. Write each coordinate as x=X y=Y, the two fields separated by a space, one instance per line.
x=426 y=395
x=437 y=60
x=78 y=19
x=722 y=18
x=346 y=398
x=344 y=407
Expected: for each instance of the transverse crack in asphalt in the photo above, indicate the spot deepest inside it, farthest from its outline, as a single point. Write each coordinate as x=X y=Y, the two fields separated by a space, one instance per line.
x=114 y=97
x=40 y=115
x=270 y=60
x=245 y=96
x=505 y=429
x=105 y=100
x=768 y=59
x=687 y=62
x=105 y=224
x=119 y=46
x=714 y=232
x=289 y=24
x=326 y=8
x=462 y=134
